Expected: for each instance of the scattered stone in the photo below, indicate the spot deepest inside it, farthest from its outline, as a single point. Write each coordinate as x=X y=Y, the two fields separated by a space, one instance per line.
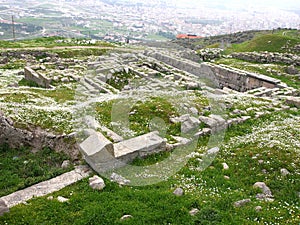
x=61 y=67
x=66 y=164
x=264 y=188
x=227 y=177
x=260 y=161
x=62 y=199
x=211 y=122
x=194 y=111
x=193 y=212
x=126 y=217
x=242 y=202
x=178 y=192
x=189 y=124
x=258 y=208
x=264 y=197
x=50 y=198
x=97 y=183
x=3 y=207
x=214 y=150
x=294 y=101
x=225 y=166
x=119 y=179
x=65 y=80
x=284 y=172
x=292 y=70
x=43 y=67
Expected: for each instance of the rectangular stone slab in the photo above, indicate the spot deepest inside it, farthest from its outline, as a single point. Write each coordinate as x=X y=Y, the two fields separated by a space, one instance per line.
x=139 y=146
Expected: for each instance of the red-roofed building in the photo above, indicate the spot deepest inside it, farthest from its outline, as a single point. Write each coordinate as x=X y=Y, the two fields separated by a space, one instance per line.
x=187 y=36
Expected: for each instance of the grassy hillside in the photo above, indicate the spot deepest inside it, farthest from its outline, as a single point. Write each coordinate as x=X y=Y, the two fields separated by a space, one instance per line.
x=280 y=41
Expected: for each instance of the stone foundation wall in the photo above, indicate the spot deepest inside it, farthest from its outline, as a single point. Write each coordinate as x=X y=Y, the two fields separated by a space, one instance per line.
x=220 y=76
x=36 y=139
x=36 y=77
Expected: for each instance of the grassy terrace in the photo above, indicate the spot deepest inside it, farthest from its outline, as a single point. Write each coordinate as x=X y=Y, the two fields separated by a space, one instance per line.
x=208 y=191
x=268 y=42
x=21 y=168
x=50 y=42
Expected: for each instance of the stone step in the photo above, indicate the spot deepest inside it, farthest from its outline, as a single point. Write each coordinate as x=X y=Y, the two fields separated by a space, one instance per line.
x=89 y=88
x=105 y=86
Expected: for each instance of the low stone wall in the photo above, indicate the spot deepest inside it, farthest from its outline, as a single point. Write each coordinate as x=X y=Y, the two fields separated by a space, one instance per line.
x=36 y=138
x=240 y=80
x=268 y=57
x=220 y=76
x=36 y=77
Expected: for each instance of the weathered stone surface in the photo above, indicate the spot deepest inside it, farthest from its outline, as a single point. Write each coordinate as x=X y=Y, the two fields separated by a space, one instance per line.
x=292 y=70
x=266 y=192
x=126 y=217
x=284 y=172
x=178 y=192
x=66 y=164
x=242 y=202
x=62 y=199
x=225 y=166
x=97 y=183
x=211 y=122
x=295 y=101
x=3 y=207
x=193 y=212
x=258 y=208
x=38 y=78
x=214 y=150
x=97 y=148
x=139 y=146
x=189 y=124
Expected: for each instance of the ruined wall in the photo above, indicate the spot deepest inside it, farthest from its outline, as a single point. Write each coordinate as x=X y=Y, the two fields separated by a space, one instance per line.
x=36 y=138
x=268 y=57
x=220 y=75
x=38 y=78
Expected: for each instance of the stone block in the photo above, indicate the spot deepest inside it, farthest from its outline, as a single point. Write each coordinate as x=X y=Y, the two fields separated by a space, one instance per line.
x=97 y=148
x=140 y=146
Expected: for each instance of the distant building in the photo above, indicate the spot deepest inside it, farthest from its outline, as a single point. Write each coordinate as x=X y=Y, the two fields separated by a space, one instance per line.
x=187 y=36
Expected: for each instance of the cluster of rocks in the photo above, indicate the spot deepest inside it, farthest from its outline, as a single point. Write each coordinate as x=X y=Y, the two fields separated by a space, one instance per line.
x=266 y=195
x=208 y=54
x=268 y=57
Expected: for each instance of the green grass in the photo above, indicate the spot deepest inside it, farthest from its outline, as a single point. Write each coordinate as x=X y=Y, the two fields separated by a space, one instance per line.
x=13 y=65
x=120 y=80
x=21 y=168
x=29 y=83
x=50 y=42
x=266 y=42
x=71 y=53
x=60 y=94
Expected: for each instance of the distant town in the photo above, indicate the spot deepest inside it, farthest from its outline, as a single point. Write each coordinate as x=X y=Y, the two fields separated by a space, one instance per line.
x=120 y=21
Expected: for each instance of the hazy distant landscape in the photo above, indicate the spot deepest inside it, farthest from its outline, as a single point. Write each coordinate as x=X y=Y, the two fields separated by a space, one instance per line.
x=117 y=20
